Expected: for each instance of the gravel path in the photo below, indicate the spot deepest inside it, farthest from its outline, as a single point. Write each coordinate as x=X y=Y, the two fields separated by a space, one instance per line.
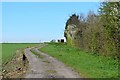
x=47 y=66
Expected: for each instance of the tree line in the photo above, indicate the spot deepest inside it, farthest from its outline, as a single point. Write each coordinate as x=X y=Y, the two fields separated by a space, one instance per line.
x=96 y=33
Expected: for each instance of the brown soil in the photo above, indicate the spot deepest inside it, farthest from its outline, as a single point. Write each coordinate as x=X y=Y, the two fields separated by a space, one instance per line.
x=17 y=67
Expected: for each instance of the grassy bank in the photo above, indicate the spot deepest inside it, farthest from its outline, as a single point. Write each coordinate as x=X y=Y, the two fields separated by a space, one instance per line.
x=9 y=49
x=88 y=65
x=36 y=53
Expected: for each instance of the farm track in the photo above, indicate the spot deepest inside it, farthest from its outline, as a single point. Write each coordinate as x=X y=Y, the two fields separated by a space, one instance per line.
x=47 y=66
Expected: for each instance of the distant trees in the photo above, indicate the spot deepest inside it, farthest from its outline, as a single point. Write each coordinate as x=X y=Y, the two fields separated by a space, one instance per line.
x=97 y=33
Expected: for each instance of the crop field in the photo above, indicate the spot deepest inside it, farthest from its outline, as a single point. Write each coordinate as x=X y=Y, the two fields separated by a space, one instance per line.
x=87 y=64
x=9 y=49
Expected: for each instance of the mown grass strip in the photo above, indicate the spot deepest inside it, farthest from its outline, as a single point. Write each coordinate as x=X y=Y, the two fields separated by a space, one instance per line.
x=89 y=65
x=37 y=54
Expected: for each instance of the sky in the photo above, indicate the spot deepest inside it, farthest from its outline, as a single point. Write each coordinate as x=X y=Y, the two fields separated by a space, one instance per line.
x=0 y=22
x=39 y=21
x=53 y=0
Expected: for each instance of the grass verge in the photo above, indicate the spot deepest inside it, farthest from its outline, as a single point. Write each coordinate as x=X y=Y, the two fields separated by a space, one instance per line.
x=37 y=54
x=88 y=65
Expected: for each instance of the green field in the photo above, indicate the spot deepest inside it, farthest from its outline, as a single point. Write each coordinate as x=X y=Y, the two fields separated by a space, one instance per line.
x=87 y=64
x=9 y=49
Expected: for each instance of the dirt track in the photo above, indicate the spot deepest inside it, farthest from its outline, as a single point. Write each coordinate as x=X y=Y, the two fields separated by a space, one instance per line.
x=47 y=67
